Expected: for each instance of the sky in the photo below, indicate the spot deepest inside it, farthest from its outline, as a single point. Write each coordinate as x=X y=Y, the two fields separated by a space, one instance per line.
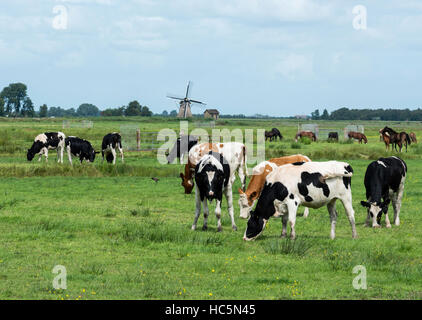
x=274 y=57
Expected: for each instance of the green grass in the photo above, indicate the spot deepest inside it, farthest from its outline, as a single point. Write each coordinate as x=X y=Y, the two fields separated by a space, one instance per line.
x=120 y=235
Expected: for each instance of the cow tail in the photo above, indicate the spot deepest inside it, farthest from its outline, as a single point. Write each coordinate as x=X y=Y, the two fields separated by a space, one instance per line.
x=245 y=167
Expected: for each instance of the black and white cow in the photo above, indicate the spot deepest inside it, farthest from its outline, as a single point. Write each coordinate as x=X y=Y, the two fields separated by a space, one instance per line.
x=181 y=146
x=311 y=184
x=111 y=141
x=47 y=141
x=384 y=181
x=80 y=148
x=212 y=176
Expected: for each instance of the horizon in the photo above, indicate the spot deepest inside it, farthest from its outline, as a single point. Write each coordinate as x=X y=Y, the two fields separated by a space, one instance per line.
x=275 y=58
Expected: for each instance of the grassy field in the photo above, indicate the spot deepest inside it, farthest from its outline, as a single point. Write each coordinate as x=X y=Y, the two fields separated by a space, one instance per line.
x=120 y=235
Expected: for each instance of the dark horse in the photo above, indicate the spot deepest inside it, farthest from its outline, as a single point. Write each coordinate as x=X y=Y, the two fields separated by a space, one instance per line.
x=393 y=137
x=273 y=134
x=308 y=134
x=333 y=136
x=358 y=136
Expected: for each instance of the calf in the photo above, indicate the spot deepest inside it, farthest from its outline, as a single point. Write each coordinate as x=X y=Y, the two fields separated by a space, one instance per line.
x=112 y=141
x=311 y=184
x=384 y=181
x=248 y=198
x=233 y=152
x=181 y=146
x=212 y=176
x=45 y=141
x=80 y=148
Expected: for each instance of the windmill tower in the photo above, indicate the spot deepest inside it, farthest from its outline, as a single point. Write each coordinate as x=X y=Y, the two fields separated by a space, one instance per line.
x=185 y=104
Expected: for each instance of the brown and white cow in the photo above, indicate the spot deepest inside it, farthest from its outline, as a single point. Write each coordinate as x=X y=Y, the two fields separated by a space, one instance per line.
x=233 y=152
x=248 y=198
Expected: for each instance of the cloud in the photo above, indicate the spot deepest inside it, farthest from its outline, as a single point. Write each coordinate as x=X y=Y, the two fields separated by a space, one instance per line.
x=294 y=66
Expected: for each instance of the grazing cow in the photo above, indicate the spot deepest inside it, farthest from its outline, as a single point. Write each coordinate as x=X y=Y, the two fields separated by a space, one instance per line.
x=80 y=148
x=308 y=134
x=392 y=137
x=333 y=136
x=358 y=136
x=181 y=146
x=111 y=141
x=384 y=181
x=312 y=184
x=412 y=136
x=248 y=198
x=213 y=178
x=273 y=134
x=233 y=152
x=45 y=141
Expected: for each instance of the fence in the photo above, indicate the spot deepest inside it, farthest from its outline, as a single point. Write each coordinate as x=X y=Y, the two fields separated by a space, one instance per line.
x=133 y=139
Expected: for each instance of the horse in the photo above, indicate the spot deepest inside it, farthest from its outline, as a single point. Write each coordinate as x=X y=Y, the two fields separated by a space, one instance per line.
x=391 y=136
x=308 y=134
x=358 y=136
x=412 y=136
x=333 y=136
x=273 y=134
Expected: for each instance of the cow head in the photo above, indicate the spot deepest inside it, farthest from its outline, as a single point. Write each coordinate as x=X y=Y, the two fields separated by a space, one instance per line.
x=35 y=148
x=92 y=154
x=246 y=203
x=375 y=210
x=211 y=176
x=187 y=183
x=255 y=226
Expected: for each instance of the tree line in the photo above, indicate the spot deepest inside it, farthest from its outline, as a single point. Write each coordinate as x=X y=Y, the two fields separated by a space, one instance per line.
x=369 y=114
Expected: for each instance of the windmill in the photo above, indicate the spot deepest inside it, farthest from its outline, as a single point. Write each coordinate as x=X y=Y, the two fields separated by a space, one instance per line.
x=185 y=103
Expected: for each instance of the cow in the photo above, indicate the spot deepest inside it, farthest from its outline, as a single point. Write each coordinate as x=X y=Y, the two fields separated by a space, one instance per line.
x=213 y=179
x=248 y=198
x=111 y=141
x=181 y=146
x=384 y=182
x=47 y=141
x=311 y=184
x=80 y=148
x=333 y=136
x=233 y=152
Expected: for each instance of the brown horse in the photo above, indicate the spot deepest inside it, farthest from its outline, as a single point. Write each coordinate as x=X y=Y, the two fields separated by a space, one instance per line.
x=308 y=134
x=412 y=136
x=358 y=136
x=393 y=137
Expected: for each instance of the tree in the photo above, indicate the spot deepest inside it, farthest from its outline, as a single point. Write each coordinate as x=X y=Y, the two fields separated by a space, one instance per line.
x=27 y=109
x=315 y=115
x=173 y=113
x=113 y=112
x=133 y=109
x=165 y=113
x=325 y=115
x=87 y=110
x=13 y=97
x=43 y=111
x=145 y=112
x=1 y=107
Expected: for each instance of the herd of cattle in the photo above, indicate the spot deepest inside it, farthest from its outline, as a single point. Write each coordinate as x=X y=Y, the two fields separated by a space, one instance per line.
x=277 y=186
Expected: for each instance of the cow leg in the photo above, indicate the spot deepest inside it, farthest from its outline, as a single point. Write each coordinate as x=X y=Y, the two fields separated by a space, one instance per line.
x=368 y=219
x=61 y=154
x=206 y=214
x=102 y=154
x=306 y=212
x=397 y=203
x=229 y=196
x=113 y=152
x=284 y=219
x=121 y=153
x=292 y=208
x=46 y=154
x=197 y=208
x=69 y=156
x=347 y=203
x=40 y=156
x=218 y=215
x=333 y=217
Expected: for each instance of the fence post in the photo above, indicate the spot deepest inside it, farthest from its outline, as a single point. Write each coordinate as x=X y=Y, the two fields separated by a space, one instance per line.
x=138 y=139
